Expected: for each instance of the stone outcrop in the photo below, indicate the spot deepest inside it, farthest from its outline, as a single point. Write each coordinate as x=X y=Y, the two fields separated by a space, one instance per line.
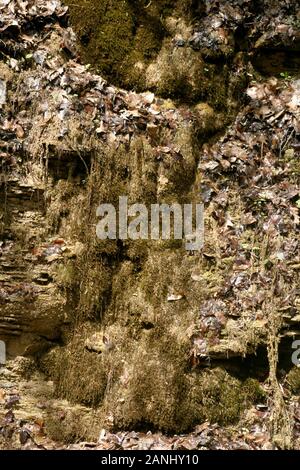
x=151 y=335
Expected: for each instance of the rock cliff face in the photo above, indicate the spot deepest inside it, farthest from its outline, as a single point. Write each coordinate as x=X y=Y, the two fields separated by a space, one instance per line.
x=143 y=334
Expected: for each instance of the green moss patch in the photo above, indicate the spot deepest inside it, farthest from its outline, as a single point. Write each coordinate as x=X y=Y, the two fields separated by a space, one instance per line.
x=293 y=380
x=71 y=424
x=114 y=35
x=79 y=375
x=162 y=395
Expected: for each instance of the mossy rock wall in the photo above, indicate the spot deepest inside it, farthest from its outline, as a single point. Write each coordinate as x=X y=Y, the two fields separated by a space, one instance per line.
x=146 y=45
x=144 y=333
x=128 y=352
x=117 y=33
